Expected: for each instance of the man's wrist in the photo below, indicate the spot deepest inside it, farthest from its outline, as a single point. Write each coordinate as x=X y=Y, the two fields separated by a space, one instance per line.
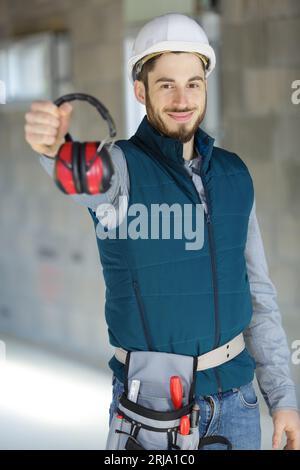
x=275 y=410
x=282 y=398
x=48 y=156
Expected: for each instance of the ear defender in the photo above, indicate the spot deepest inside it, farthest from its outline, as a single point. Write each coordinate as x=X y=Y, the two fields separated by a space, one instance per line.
x=84 y=167
x=75 y=166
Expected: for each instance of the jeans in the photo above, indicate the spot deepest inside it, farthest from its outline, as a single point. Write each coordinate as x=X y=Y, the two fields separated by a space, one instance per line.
x=233 y=414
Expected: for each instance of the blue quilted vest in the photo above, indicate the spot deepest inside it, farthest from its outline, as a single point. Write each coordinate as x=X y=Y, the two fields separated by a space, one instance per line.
x=163 y=297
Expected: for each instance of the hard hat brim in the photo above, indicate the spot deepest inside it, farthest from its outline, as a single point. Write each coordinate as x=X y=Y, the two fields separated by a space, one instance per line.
x=204 y=49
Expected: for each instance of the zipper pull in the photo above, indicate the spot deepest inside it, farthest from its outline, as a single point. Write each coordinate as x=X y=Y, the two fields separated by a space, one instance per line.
x=208 y=220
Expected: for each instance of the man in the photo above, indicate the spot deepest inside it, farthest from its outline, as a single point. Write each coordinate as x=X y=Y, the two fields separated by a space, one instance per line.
x=159 y=295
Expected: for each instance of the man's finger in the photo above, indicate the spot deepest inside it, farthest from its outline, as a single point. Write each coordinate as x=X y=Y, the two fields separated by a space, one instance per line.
x=277 y=435
x=39 y=117
x=293 y=441
x=40 y=129
x=45 y=106
x=41 y=139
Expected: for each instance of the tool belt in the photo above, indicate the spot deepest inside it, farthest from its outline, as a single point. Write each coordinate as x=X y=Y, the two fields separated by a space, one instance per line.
x=158 y=410
x=213 y=358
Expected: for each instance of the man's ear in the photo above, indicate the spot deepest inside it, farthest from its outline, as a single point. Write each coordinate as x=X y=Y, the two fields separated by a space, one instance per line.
x=139 y=91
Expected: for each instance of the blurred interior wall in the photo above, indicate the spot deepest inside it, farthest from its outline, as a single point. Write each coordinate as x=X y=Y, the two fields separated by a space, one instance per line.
x=260 y=61
x=52 y=289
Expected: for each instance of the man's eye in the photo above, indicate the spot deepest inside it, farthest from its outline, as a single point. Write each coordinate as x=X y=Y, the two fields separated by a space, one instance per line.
x=167 y=85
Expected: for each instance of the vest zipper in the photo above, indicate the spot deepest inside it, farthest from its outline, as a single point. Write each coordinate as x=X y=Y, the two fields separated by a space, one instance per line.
x=142 y=315
x=214 y=272
x=212 y=260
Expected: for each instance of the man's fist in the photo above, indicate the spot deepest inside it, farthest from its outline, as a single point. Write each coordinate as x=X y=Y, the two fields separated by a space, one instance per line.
x=46 y=126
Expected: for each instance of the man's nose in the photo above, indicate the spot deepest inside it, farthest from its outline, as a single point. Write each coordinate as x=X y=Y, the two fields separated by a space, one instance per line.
x=180 y=99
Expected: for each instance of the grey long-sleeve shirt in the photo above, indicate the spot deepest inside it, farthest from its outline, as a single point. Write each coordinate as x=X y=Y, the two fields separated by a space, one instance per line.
x=264 y=337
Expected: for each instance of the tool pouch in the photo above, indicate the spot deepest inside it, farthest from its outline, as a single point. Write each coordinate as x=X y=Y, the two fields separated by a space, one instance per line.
x=152 y=422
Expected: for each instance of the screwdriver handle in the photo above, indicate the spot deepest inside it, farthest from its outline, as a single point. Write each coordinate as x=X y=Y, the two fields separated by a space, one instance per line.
x=176 y=391
x=184 y=425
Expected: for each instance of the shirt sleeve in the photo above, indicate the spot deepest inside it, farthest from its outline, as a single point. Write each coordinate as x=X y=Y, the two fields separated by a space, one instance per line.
x=119 y=182
x=265 y=337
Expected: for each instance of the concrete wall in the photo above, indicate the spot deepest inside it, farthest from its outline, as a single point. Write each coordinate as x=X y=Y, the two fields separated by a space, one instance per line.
x=52 y=288
x=260 y=60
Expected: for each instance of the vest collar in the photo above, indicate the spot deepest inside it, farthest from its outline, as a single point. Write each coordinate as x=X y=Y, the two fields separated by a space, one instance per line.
x=169 y=148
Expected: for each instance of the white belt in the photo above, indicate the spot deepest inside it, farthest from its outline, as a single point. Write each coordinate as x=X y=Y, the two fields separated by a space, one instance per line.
x=213 y=358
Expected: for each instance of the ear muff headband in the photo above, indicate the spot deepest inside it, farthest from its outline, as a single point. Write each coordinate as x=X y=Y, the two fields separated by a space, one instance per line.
x=102 y=110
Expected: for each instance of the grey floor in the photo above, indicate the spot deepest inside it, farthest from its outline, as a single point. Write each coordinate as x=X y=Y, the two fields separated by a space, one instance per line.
x=50 y=402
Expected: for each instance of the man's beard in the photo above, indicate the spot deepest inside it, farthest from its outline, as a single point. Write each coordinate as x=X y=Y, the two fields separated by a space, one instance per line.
x=182 y=133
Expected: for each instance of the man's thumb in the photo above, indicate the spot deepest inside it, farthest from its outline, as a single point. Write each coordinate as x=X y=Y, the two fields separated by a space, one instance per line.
x=65 y=111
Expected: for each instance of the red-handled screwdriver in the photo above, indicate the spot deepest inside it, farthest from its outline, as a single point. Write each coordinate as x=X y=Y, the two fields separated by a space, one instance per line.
x=185 y=425
x=176 y=392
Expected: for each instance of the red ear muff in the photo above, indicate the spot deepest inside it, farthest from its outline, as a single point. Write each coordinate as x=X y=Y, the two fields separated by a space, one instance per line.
x=75 y=166
x=101 y=172
x=63 y=173
x=81 y=167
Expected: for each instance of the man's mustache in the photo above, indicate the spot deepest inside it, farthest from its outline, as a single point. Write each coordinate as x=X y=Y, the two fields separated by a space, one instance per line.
x=180 y=110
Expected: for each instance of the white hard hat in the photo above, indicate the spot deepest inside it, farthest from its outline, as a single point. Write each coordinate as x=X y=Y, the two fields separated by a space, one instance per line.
x=167 y=33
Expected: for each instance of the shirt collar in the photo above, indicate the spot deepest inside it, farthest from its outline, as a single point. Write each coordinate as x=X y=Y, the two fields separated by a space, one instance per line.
x=170 y=148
